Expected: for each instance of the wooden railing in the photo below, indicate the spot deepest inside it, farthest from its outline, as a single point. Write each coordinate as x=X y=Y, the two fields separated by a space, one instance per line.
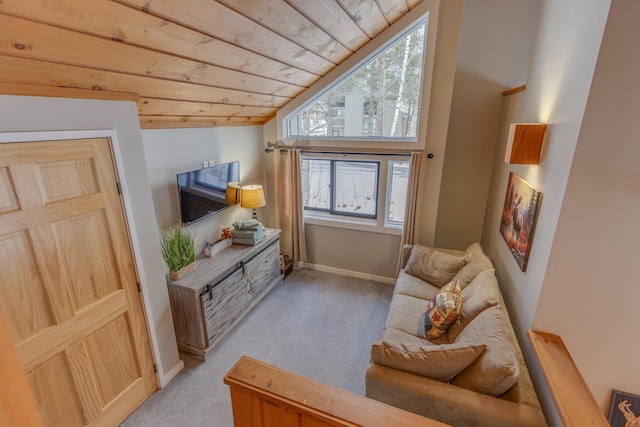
x=263 y=395
x=576 y=405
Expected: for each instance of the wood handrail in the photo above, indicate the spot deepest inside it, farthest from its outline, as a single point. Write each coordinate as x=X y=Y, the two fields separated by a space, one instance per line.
x=264 y=395
x=576 y=405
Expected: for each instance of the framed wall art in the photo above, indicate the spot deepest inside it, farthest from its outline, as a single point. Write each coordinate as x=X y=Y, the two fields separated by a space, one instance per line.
x=624 y=410
x=519 y=215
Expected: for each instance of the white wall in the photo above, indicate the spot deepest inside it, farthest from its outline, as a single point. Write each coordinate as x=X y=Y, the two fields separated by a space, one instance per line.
x=566 y=47
x=22 y=113
x=590 y=294
x=172 y=151
x=496 y=41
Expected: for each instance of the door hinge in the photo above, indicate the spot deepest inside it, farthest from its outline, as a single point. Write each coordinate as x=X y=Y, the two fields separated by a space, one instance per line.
x=155 y=368
x=119 y=188
x=139 y=288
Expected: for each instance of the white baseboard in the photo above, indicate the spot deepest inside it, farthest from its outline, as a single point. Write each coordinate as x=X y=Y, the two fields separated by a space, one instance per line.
x=348 y=273
x=164 y=379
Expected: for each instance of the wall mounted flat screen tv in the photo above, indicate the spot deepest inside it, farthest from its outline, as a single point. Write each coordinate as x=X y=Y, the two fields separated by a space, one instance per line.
x=202 y=192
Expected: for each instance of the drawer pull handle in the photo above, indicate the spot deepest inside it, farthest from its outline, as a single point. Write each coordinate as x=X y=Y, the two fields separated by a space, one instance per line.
x=209 y=290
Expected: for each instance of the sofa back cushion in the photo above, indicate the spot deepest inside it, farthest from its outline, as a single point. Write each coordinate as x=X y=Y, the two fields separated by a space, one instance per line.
x=480 y=294
x=476 y=262
x=498 y=368
x=433 y=266
x=438 y=362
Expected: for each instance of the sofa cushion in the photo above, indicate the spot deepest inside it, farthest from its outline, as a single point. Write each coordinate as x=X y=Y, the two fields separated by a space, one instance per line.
x=480 y=294
x=443 y=310
x=438 y=362
x=406 y=314
x=435 y=267
x=413 y=286
x=477 y=262
x=392 y=334
x=497 y=369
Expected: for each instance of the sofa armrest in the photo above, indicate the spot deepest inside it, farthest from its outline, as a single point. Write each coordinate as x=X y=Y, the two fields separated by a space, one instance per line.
x=445 y=402
x=406 y=253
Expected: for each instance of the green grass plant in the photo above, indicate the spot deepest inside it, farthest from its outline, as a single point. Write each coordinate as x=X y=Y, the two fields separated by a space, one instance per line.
x=177 y=246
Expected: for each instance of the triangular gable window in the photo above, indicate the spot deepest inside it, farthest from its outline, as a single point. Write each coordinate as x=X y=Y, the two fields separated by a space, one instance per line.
x=378 y=99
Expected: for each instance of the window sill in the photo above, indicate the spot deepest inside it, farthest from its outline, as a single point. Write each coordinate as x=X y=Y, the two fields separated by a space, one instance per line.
x=359 y=224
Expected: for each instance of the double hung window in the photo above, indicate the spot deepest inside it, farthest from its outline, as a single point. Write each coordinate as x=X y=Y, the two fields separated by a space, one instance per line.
x=355 y=189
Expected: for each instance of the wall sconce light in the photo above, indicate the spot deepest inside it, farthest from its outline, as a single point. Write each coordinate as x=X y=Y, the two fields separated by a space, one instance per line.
x=252 y=196
x=232 y=195
x=524 y=143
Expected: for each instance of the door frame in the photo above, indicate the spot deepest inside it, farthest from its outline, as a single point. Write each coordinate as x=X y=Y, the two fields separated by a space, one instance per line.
x=112 y=136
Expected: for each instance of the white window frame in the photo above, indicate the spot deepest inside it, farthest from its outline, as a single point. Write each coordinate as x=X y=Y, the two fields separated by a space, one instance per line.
x=378 y=225
x=400 y=27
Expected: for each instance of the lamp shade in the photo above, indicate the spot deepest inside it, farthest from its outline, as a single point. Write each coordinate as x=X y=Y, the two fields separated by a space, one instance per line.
x=232 y=196
x=252 y=196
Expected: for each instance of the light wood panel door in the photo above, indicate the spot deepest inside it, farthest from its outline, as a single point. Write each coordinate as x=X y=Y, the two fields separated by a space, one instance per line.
x=68 y=288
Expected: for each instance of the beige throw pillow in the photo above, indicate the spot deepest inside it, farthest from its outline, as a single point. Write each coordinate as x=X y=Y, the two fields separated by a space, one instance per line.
x=438 y=362
x=430 y=265
x=477 y=262
x=498 y=368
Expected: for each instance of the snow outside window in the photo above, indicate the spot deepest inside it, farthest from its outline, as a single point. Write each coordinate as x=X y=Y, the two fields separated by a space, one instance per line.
x=355 y=189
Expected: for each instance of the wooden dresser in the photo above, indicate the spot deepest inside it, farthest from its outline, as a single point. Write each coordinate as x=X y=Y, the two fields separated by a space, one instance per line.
x=209 y=302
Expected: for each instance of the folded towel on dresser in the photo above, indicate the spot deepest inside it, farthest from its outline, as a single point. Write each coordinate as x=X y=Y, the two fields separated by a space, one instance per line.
x=250 y=224
x=248 y=233
x=251 y=241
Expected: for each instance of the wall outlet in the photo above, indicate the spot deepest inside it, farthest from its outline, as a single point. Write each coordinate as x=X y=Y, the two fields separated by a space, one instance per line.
x=205 y=164
x=212 y=163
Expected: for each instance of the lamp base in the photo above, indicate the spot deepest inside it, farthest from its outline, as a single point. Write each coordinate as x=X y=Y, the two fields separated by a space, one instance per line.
x=255 y=214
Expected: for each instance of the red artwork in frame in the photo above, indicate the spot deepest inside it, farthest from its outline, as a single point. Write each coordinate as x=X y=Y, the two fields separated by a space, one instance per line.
x=519 y=215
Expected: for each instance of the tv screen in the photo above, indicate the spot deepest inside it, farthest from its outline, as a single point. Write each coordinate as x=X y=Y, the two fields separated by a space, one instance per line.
x=202 y=192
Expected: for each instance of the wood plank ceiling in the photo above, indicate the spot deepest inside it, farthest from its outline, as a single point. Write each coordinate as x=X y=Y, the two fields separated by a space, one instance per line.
x=193 y=63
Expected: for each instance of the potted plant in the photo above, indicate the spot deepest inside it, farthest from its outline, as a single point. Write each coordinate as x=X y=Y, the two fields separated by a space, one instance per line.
x=178 y=252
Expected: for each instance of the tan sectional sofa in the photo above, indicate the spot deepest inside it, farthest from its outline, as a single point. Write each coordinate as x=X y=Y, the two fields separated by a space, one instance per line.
x=472 y=375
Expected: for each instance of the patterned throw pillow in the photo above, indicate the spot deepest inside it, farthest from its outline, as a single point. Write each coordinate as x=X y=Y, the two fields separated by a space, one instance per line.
x=443 y=310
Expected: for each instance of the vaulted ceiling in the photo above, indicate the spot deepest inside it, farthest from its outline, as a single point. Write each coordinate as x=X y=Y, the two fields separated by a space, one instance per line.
x=191 y=63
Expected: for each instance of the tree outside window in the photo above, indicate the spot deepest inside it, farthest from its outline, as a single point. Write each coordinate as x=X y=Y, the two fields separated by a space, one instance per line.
x=384 y=90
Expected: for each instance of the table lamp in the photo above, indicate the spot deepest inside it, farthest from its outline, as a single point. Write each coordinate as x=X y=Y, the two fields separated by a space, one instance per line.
x=252 y=196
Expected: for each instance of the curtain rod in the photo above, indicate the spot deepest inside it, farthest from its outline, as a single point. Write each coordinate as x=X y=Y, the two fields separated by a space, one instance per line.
x=366 y=153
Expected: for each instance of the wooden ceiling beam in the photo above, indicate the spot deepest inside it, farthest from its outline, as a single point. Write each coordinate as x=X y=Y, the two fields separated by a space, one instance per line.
x=170 y=107
x=114 y=21
x=65 y=92
x=219 y=21
x=28 y=71
x=169 y=122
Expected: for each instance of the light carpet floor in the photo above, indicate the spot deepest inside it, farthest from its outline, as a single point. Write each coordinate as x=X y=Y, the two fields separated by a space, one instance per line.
x=315 y=324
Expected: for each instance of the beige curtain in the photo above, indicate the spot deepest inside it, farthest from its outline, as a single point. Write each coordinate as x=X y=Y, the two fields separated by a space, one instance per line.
x=412 y=210
x=288 y=213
